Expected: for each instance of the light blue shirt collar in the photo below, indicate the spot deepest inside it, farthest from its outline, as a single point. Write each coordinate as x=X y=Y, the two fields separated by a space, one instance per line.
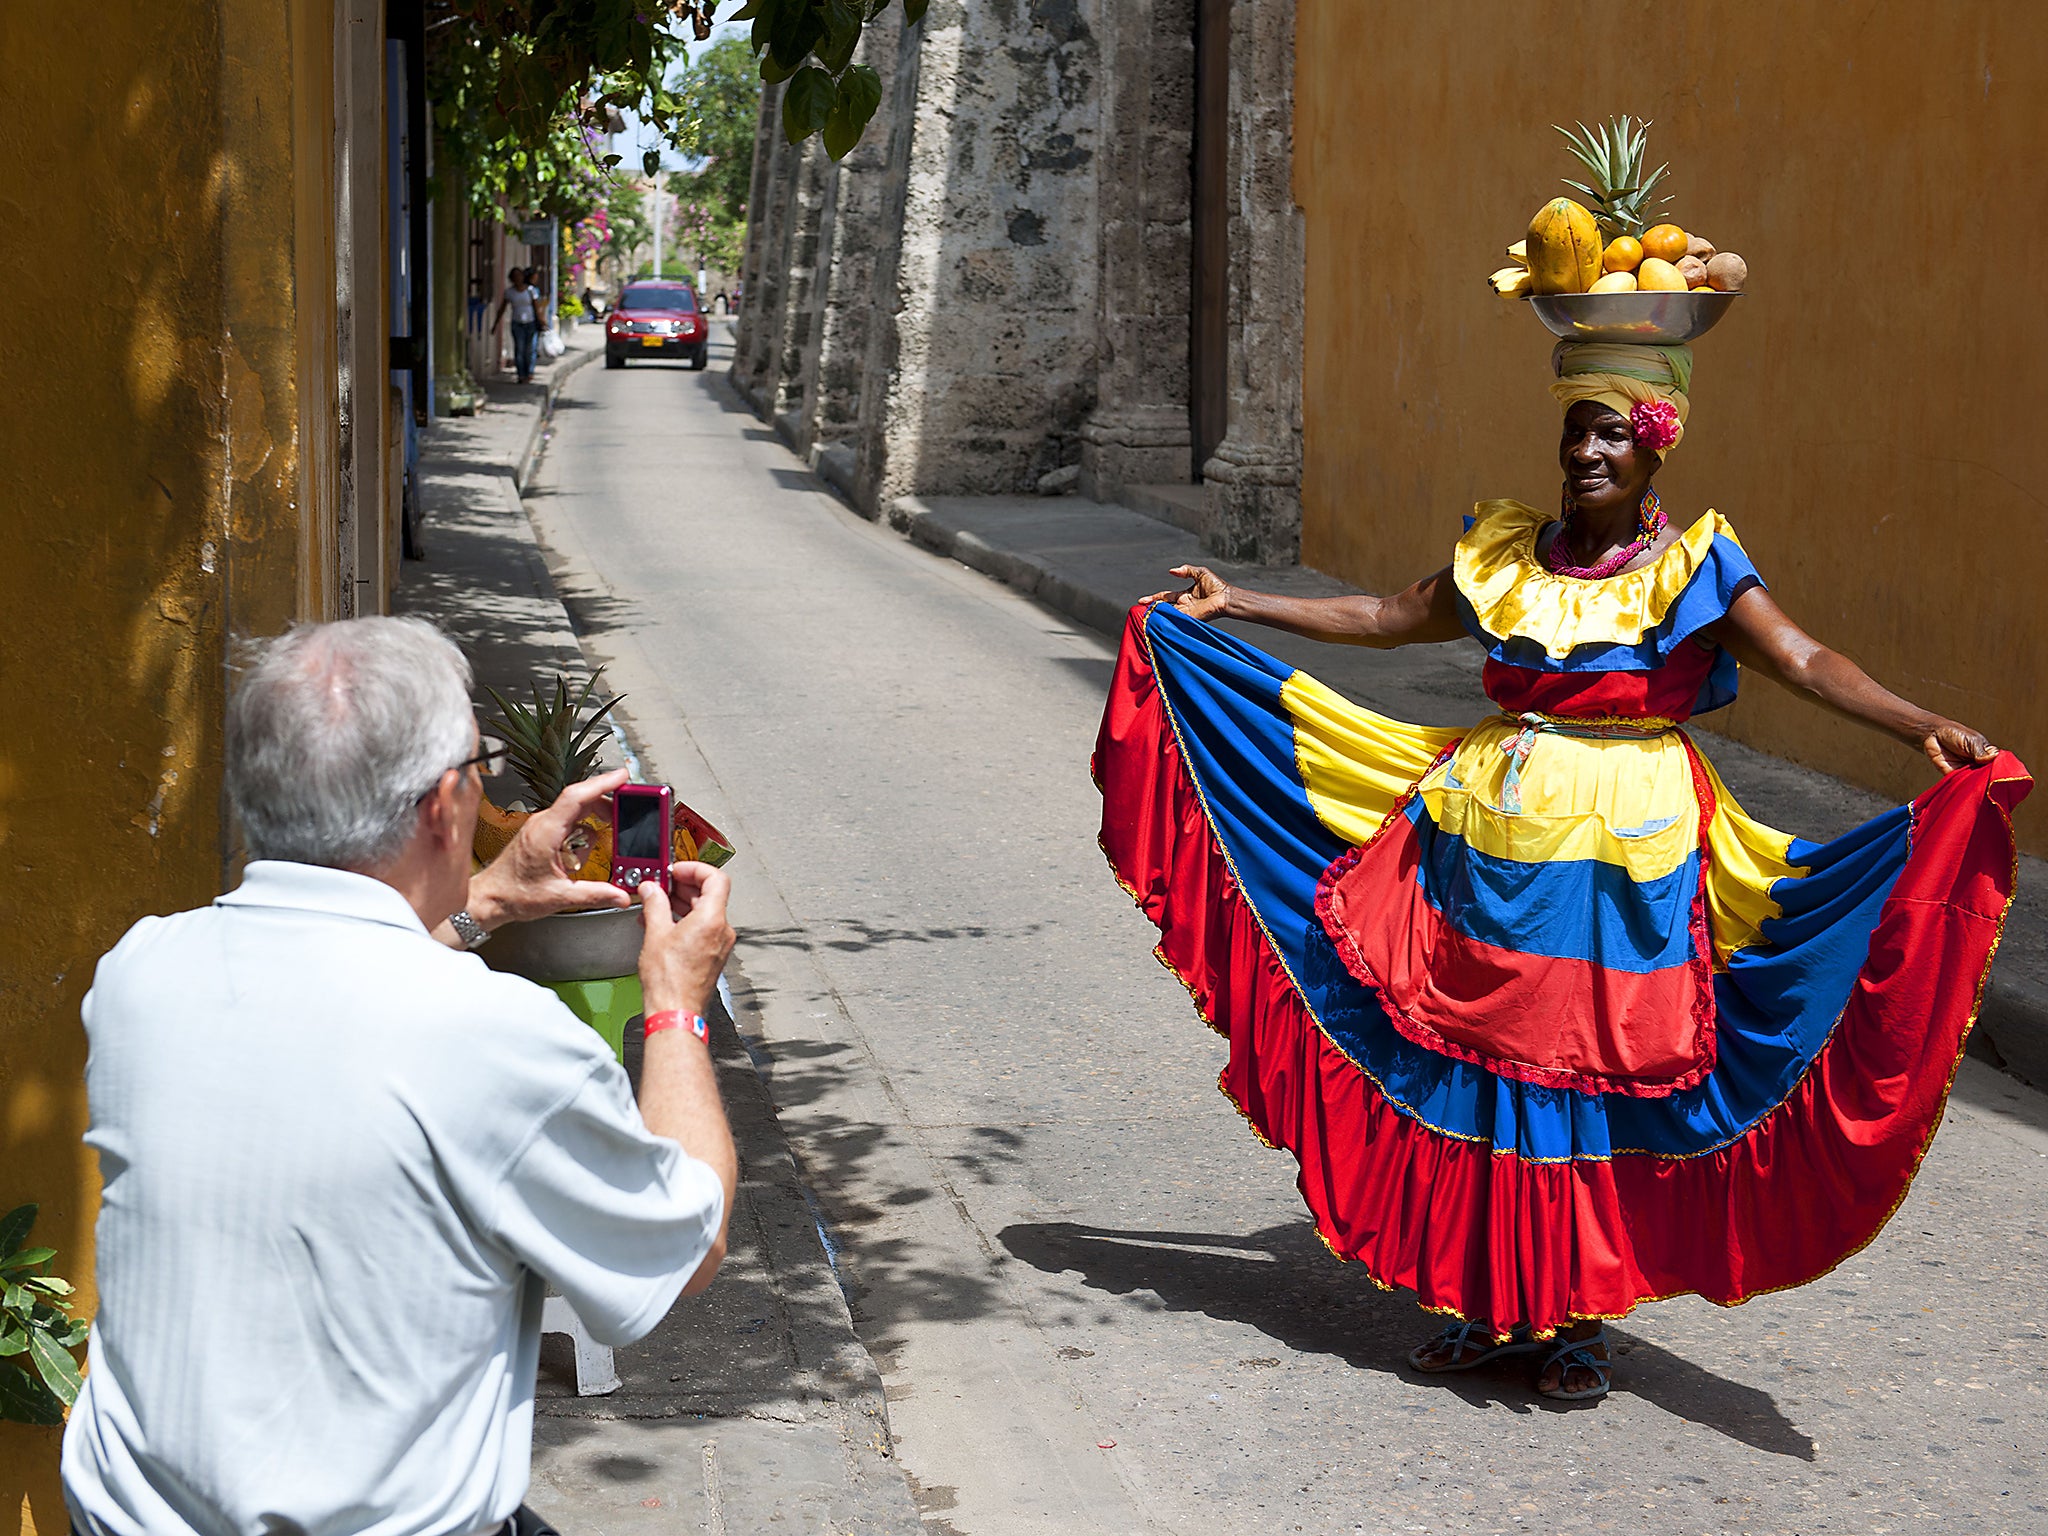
x=314 y=888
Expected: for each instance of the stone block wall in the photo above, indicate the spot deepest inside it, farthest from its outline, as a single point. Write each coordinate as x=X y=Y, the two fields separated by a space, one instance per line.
x=996 y=284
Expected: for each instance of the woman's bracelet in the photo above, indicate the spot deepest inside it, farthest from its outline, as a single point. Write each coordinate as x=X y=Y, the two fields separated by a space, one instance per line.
x=675 y=1018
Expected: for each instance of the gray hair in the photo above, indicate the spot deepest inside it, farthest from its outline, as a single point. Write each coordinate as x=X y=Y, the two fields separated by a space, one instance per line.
x=337 y=731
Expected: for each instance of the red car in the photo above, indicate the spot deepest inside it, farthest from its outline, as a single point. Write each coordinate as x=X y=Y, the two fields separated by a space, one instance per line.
x=656 y=318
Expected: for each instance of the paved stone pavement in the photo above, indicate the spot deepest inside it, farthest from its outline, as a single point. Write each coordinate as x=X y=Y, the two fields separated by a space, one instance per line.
x=1093 y=1297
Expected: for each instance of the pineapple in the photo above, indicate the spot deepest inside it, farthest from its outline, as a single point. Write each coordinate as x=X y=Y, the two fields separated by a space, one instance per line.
x=550 y=744
x=1621 y=194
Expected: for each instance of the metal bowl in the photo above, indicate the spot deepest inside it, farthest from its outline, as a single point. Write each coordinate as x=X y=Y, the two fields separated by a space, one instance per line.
x=1655 y=318
x=570 y=946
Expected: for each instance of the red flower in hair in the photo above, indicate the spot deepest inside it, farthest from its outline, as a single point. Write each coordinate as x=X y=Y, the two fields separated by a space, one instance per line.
x=1654 y=423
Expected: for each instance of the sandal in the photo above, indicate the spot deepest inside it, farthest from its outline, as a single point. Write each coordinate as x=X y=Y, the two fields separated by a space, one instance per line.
x=1458 y=1339
x=1578 y=1352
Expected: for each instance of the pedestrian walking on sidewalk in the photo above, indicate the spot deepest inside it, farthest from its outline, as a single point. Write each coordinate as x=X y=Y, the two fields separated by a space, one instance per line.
x=342 y=1159
x=1553 y=1026
x=522 y=301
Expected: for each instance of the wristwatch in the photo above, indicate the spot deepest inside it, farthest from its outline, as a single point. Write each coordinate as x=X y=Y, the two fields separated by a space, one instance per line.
x=468 y=929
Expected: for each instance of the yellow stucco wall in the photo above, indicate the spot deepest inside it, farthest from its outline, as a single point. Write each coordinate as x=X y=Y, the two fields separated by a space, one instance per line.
x=1867 y=416
x=160 y=170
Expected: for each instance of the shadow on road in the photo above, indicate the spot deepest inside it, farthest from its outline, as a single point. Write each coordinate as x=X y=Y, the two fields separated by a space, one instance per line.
x=1284 y=1283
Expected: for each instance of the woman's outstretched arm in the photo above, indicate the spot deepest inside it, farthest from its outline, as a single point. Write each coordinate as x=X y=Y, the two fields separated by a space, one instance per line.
x=1423 y=614
x=1764 y=638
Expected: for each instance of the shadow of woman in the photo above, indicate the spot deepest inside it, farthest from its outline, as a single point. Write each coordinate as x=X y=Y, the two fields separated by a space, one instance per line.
x=1283 y=1282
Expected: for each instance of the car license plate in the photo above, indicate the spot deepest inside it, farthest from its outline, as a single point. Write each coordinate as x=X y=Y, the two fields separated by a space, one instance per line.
x=651 y=341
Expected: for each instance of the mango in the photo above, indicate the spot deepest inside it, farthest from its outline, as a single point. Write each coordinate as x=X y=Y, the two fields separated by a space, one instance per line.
x=1614 y=282
x=1659 y=276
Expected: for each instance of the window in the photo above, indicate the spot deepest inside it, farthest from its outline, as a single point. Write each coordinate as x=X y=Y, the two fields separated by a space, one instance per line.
x=660 y=298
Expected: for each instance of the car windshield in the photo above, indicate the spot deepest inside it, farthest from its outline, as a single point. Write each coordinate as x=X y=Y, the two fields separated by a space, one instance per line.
x=660 y=298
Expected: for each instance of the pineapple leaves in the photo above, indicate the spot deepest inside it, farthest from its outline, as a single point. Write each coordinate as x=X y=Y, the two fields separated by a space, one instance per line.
x=1613 y=155
x=553 y=743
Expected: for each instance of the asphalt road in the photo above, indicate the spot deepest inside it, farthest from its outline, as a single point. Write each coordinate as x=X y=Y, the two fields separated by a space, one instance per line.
x=1094 y=1297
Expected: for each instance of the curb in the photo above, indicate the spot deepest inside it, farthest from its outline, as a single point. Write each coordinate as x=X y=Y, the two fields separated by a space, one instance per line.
x=909 y=516
x=529 y=456
x=834 y=1364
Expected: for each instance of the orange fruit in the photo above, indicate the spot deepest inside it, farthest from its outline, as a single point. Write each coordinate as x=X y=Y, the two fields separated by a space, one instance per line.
x=1624 y=253
x=1666 y=242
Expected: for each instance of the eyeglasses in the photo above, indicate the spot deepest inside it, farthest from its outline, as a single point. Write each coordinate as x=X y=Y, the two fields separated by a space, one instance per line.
x=489 y=761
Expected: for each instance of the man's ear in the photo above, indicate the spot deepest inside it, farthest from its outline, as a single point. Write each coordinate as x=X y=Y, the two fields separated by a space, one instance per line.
x=440 y=811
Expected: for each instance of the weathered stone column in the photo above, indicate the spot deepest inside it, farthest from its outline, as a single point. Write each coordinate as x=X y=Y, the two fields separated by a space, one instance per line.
x=1254 y=477
x=862 y=225
x=807 y=240
x=758 y=336
x=990 y=349
x=1139 y=431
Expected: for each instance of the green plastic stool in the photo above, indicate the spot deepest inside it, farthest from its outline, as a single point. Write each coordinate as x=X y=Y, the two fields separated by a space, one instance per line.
x=605 y=1006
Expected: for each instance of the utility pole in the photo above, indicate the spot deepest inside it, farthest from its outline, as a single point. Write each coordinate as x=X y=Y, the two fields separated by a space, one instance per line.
x=657 y=226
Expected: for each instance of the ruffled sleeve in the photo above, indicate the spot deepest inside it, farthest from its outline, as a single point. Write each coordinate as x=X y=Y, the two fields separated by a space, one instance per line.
x=1528 y=616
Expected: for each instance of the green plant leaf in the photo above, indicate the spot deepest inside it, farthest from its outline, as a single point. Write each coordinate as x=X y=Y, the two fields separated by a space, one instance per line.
x=807 y=103
x=842 y=36
x=16 y=1299
x=853 y=107
x=28 y=1258
x=15 y=1227
x=794 y=29
x=55 y=1365
x=49 y=1285
x=913 y=11
x=13 y=1341
x=75 y=1335
x=25 y=1400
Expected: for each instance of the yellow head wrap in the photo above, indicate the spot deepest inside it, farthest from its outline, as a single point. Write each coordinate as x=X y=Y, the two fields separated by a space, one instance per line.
x=1621 y=374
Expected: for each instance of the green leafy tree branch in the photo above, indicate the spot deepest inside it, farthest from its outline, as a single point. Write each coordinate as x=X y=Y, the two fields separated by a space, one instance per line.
x=39 y=1376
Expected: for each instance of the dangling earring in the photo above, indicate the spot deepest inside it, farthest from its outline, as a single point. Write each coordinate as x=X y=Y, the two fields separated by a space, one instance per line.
x=1566 y=506
x=1650 y=513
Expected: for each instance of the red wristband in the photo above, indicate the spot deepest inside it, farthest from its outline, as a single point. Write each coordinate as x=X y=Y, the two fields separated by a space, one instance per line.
x=675 y=1018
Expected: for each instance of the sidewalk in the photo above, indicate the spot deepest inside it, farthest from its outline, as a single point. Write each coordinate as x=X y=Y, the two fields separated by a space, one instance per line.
x=1090 y=562
x=754 y=1405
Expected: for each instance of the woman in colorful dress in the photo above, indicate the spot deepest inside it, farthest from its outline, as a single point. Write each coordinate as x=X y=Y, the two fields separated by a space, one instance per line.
x=1552 y=1026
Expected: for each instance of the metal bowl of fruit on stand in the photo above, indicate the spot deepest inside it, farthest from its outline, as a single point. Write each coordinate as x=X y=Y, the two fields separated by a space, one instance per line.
x=1643 y=318
x=569 y=946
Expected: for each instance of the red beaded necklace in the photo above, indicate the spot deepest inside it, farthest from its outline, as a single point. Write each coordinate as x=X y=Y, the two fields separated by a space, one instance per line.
x=1651 y=522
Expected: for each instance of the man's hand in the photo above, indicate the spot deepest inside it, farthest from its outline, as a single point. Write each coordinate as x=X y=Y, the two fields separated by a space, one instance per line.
x=536 y=874
x=1207 y=596
x=688 y=938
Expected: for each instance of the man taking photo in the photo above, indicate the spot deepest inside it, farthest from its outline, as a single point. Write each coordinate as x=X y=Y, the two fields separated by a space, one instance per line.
x=342 y=1159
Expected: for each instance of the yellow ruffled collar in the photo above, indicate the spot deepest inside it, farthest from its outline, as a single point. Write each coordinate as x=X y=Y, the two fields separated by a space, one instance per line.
x=1513 y=595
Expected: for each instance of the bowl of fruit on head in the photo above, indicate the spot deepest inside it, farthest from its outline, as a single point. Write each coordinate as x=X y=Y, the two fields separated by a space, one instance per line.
x=559 y=740
x=1614 y=268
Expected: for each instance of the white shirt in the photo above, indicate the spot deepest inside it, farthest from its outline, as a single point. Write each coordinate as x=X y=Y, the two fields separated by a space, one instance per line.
x=339 y=1159
x=521 y=301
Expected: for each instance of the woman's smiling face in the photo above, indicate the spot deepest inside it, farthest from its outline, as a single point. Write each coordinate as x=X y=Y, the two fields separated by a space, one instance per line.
x=1603 y=467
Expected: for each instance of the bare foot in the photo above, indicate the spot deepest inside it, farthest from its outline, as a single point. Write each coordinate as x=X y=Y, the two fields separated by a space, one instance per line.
x=1569 y=1378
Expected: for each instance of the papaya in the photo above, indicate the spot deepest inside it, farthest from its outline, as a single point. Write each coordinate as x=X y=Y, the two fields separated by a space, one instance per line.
x=1564 y=248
